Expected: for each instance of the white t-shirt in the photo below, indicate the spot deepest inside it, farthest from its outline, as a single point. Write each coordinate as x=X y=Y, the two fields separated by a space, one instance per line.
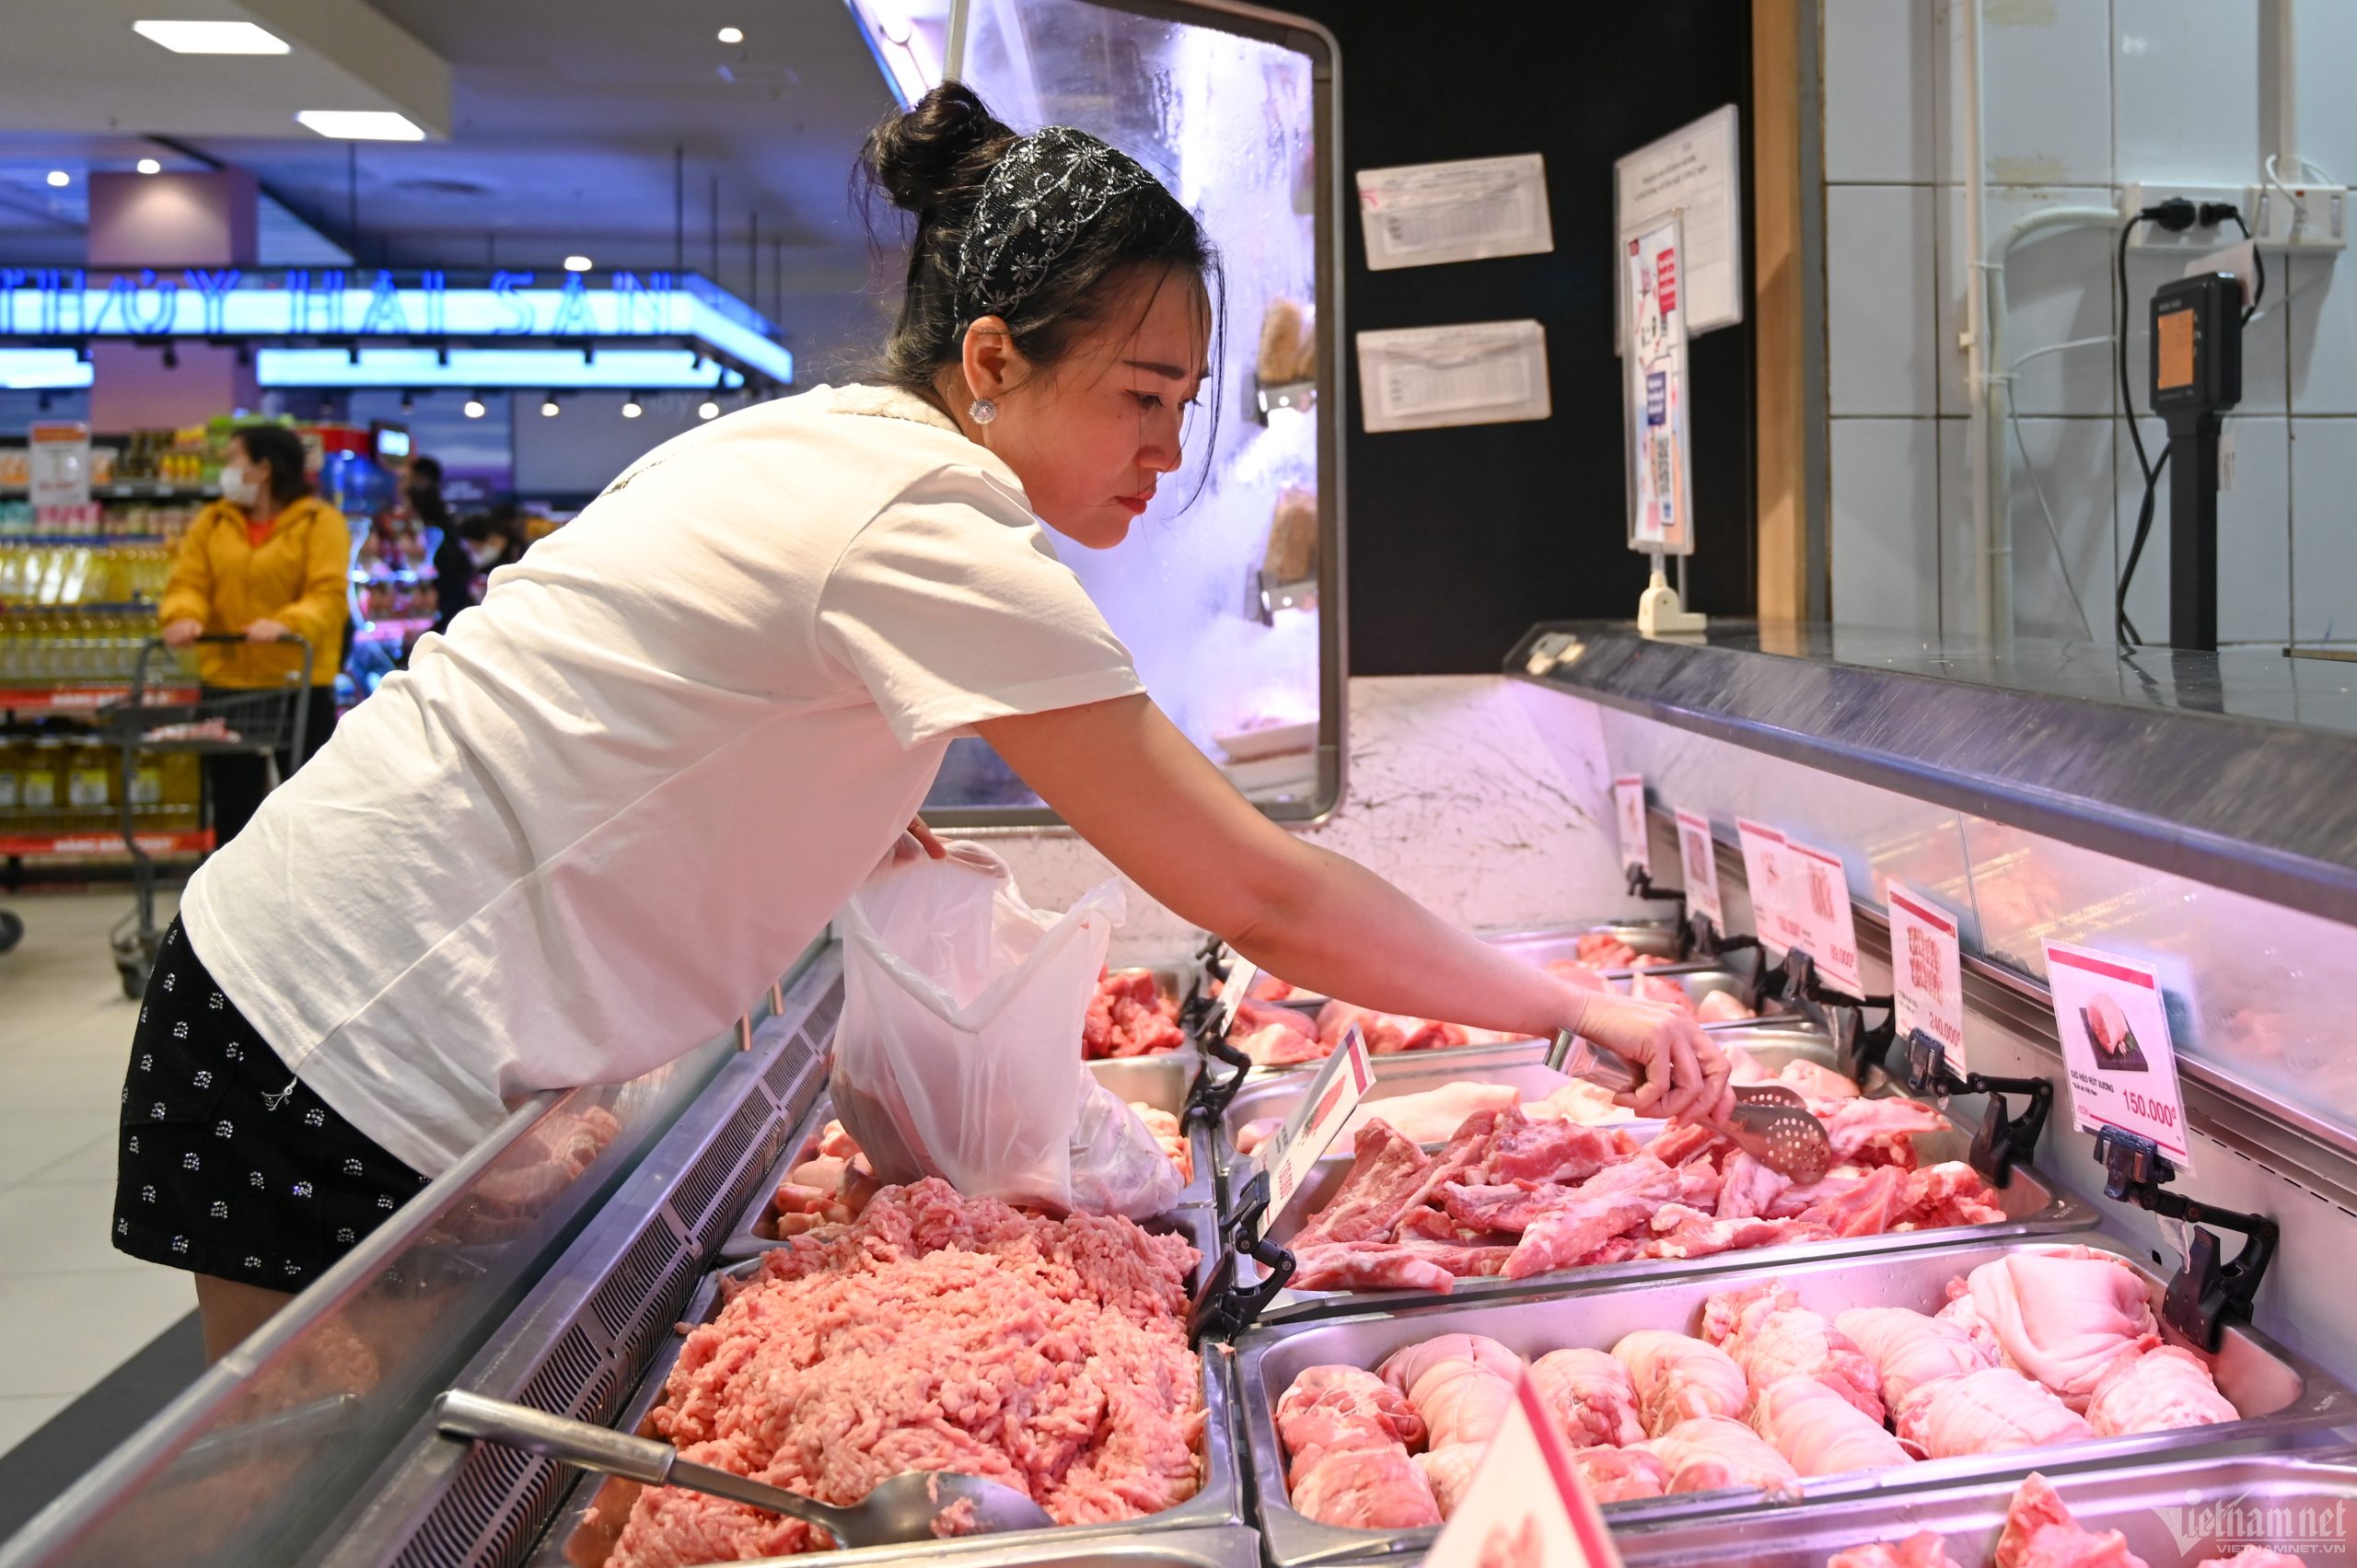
x=584 y=830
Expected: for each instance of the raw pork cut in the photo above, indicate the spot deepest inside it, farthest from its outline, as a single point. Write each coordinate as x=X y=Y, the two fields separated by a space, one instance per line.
x=1384 y=1178
x=1878 y=1130
x=1912 y=1350
x=1578 y=1100
x=1461 y=1384
x=1368 y=1265
x=1680 y=1232
x=1811 y=1081
x=1603 y=950
x=1678 y=1377
x=1366 y=1489
x=1405 y=1367
x=2040 y=1533
x=1449 y=1473
x=1994 y=1411
x=1591 y=1394
x=1129 y=1018
x=1870 y=1208
x=1616 y=1475
x=1951 y=1192
x=1273 y=1045
x=1747 y=1187
x=2065 y=1314
x=1600 y=1208
x=1525 y=1151
x=2161 y=1390
x=1924 y=1549
x=1343 y=1407
x=1711 y=1452
x=1771 y=1335
x=1387 y=1034
x=1723 y=1008
x=1821 y=1431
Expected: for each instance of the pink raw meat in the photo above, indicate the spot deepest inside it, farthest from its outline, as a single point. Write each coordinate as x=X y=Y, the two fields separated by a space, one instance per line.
x=1384 y=1178
x=1434 y=1115
x=1468 y=1149
x=1994 y=1411
x=1821 y=1431
x=2065 y=1314
x=1403 y=1369
x=1911 y=1350
x=1835 y=1183
x=1772 y=1336
x=1387 y=1034
x=1964 y=1314
x=1276 y=1046
x=1682 y=1142
x=1680 y=1232
x=2255 y=1557
x=1924 y=1549
x=1867 y=1209
x=1466 y=1259
x=1724 y=1007
x=1812 y=1082
x=2040 y=1533
x=1552 y=1151
x=1677 y=1377
x=1584 y=975
x=1366 y=1489
x=1257 y=1132
x=1590 y=1392
x=1711 y=1452
x=1747 y=1187
x=1617 y=1475
x=1463 y=1402
x=1619 y=1250
x=1486 y=1208
x=1343 y=1407
x=1877 y=1132
x=1367 y=1265
x=1612 y=1201
x=2161 y=1390
x=1449 y=1471
x=1951 y=1192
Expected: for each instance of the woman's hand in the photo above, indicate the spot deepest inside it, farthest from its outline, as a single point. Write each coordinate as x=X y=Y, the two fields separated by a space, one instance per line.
x=1686 y=1075
x=180 y=633
x=266 y=630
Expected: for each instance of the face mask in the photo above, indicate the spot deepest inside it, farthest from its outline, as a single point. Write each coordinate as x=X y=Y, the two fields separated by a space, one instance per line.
x=237 y=487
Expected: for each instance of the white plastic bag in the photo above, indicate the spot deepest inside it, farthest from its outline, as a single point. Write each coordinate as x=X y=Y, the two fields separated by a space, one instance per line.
x=958 y=1052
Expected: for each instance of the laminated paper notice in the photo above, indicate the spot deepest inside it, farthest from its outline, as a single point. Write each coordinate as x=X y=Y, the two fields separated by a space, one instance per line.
x=1700 y=856
x=1333 y=1094
x=2114 y=1028
x=1766 y=873
x=1628 y=810
x=1828 y=927
x=1926 y=973
x=1426 y=377
x=1526 y=1506
x=1419 y=215
x=1661 y=460
x=1696 y=170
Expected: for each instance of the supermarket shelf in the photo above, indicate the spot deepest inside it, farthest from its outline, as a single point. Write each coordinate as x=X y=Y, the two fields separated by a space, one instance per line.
x=192 y=841
x=396 y=631
x=133 y=490
x=86 y=699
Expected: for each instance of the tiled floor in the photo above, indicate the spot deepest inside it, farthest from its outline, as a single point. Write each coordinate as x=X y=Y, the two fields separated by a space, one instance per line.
x=72 y=1308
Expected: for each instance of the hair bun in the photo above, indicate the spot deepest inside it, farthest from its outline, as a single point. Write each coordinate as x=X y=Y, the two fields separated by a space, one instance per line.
x=943 y=145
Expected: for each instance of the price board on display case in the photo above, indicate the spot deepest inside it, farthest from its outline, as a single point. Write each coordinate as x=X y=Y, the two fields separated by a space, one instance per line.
x=2114 y=1022
x=1926 y=972
x=1661 y=457
x=1697 y=852
x=1765 y=876
x=1821 y=909
x=1310 y=1131
x=1628 y=811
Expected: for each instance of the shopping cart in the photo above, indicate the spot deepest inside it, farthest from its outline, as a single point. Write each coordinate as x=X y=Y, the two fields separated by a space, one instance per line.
x=260 y=723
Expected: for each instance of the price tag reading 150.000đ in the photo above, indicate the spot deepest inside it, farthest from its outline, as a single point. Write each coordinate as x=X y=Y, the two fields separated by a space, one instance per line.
x=2114 y=1028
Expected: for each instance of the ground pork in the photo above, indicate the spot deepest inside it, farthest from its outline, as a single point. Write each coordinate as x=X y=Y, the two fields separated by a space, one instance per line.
x=936 y=1333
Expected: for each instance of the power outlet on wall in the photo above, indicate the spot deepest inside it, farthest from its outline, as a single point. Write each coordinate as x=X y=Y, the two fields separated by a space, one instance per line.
x=2313 y=218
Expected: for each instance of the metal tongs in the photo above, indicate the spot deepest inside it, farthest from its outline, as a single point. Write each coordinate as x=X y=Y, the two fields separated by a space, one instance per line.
x=1769 y=1122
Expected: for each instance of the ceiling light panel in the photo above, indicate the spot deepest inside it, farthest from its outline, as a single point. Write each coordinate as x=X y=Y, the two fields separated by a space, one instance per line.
x=212 y=38
x=362 y=124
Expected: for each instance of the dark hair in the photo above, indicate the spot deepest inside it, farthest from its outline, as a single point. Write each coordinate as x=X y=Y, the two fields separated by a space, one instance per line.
x=934 y=162
x=282 y=450
x=477 y=527
x=425 y=468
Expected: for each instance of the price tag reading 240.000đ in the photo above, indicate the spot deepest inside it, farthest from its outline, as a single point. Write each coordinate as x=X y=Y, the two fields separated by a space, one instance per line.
x=1308 y=1132
x=1926 y=973
x=2115 y=1026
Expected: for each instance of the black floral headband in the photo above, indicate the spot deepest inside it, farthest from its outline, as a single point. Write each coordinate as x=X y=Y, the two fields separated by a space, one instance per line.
x=1050 y=186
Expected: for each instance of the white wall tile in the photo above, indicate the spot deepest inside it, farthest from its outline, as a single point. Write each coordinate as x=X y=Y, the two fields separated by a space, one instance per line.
x=1877 y=91
x=2254 y=535
x=2327 y=45
x=1879 y=312
x=1959 y=603
x=2324 y=530
x=2321 y=307
x=2070 y=460
x=2045 y=90
x=2058 y=288
x=2185 y=86
x=1885 y=550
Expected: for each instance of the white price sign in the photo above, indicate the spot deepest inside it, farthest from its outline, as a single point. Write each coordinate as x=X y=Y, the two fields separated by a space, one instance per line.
x=59 y=456
x=1309 y=1131
x=1700 y=856
x=1926 y=972
x=2115 y=1028
x=1528 y=1506
x=1768 y=876
x=1828 y=927
x=1629 y=810
x=1241 y=973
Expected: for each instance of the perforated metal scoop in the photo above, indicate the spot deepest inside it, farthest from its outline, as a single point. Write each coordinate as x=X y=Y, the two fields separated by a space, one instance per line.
x=1770 y=1122
x=918 y=1505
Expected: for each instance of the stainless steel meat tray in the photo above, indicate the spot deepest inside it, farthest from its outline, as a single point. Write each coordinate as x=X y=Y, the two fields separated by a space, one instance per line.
x=1233 y=1546
x=597 y=1508
x=1543 y=945
x=2286 y=1400
x=2034 y=1205
x=2175 y=1514
x=1159 y=1081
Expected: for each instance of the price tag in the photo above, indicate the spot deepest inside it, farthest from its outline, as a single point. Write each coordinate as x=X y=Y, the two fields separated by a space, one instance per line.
x=1241 y=973
x=1528 y=1506
x=1701 y=857
x=2115 y=1028
x=1828 y=927
x=1629 y=807
x=1764 y=869
x=59 y=461
x=1926 y=972
x=1333 y=1094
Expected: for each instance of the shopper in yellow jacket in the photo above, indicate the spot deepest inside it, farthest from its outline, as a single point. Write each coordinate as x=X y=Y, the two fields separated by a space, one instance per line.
x=267 y=559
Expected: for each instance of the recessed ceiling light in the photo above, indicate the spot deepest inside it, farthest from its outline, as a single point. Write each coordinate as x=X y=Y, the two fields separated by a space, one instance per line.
x=707 y=410
x=631 y=407
x=149 y=166
x=362 y=124
x=58 y=177
x=576 y=264
x=212 y=38
x=548 y=408
x=732 y=35
x=473 y=408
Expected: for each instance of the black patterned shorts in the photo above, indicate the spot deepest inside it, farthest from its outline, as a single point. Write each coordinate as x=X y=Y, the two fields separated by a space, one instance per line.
x=230 y=1165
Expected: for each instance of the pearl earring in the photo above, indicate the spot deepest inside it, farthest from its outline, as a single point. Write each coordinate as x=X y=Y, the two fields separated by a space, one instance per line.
x=981 y=411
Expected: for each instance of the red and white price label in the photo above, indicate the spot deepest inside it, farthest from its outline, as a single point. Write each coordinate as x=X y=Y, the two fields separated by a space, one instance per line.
x=1927 y=972
x=1698 y=854
x=1233 y=990
x=1819 y=888
x=1309 y=1131
x=1768 y=874
x=2114 y=1028
x=1528 y=1506
x=1628 y=810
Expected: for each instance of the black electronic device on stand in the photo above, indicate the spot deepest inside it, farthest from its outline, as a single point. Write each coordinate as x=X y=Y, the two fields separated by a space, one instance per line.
x=2196 y=377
